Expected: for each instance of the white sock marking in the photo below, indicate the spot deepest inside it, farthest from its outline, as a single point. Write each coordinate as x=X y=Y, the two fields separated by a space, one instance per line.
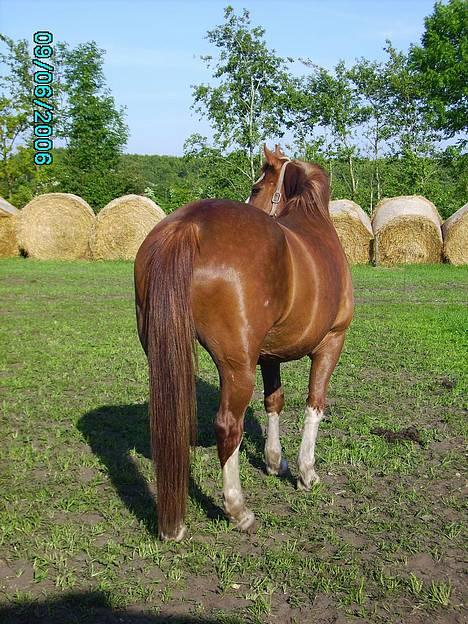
x=233 y=498
x=306 y=459
x=272 y=444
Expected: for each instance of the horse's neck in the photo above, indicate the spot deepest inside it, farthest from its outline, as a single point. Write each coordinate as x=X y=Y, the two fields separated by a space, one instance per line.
x=306 y=223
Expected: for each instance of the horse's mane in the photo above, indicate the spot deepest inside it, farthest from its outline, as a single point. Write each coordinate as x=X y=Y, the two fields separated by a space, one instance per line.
x=309 y=189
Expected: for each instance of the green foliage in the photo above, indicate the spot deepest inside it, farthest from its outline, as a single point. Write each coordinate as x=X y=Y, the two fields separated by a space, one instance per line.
x=20 y=179
x=16 y=83
x=95 y=129
x=371 y=84
x=244 y=106
x=411 y=127
x=219 y=175
x=170 y=181
x=84 y=115
x=333 y=105
x=442 y=62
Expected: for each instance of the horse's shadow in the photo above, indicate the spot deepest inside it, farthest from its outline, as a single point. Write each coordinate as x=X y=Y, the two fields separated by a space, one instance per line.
x=115 y=431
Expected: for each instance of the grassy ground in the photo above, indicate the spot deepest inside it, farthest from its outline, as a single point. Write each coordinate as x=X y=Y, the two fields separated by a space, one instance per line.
x=379 y=540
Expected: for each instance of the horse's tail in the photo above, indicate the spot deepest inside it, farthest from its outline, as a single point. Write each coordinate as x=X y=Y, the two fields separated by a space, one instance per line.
x=170 y=339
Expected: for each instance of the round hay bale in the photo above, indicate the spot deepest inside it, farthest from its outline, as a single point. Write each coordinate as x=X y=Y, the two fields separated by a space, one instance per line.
x=56 y=226
x=122 y=226
x=8 y=221
x=407 y=231
x=455 y=235
x=354 y=230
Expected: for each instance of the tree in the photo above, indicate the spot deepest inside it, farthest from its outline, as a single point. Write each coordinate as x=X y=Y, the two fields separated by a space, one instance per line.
x=219 y=175
x=16 y=110
x=95 y=129
x=329 y=100
x=442 y=62
x=245 y=106
x=371 y=82
x=411 y=125
x=20 y=179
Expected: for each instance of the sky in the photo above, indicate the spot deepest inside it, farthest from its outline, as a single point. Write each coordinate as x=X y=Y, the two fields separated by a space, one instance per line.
x=153 y=46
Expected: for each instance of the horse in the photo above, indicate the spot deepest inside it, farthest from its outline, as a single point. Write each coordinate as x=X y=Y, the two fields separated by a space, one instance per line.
x=261 y=282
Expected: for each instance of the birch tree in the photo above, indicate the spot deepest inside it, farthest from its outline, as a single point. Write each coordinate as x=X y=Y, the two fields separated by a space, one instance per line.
x=245 y=104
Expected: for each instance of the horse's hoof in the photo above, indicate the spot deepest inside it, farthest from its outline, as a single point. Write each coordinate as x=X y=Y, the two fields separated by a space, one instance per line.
x=283 y=468
x=247 y=524
x=306 y=487
x=177 y=536
x=278 y=472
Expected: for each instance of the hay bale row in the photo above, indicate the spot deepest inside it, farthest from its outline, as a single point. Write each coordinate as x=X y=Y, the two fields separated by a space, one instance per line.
x=8 y=222
x=455 y=235
x=63 y=226
x=354 y=230
x=407 y=230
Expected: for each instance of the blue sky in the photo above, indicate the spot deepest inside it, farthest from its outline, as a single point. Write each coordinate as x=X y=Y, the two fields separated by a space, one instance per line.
x=152 y=46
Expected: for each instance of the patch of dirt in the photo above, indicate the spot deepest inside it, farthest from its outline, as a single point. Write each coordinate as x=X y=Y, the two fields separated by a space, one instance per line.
x=424 y=566
x=320 y=610
x=356 y=540
x=410 y=433
x=86 y=474
x=76 y=518
x=16 y=575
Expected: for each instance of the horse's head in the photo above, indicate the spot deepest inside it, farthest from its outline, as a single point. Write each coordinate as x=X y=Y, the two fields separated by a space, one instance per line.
x=283 y=179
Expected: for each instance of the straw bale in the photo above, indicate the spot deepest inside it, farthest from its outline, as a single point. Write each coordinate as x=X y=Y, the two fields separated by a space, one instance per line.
x=407 y=231
x=8 y=219
x=56 y=226
x=455 y=235
x=122 y=226
x=354 y=230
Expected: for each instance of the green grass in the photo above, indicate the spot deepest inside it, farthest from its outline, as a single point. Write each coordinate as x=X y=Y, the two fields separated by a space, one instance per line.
x=381 y=539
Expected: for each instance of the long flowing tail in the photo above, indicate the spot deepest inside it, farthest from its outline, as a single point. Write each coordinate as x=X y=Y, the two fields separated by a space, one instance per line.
x=170 y=339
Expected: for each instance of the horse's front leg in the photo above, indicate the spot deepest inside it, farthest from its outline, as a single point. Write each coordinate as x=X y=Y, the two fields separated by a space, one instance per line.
x=236 y=391
x=274 y=402
x=323 y=363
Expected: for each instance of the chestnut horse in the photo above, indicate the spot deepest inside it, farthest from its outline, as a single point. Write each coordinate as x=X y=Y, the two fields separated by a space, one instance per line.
x=263 y=282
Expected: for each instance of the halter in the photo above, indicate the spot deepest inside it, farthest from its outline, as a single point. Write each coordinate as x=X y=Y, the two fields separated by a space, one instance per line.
x=275 y=200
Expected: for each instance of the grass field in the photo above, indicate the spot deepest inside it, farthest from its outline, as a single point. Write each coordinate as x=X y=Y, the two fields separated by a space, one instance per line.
x=381 y=539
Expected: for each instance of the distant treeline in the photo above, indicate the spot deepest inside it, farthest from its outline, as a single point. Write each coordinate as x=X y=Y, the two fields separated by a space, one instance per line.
x=172 y=181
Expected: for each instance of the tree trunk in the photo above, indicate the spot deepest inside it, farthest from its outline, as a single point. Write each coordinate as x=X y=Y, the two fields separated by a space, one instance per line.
x=251 y=138
x=351 y=174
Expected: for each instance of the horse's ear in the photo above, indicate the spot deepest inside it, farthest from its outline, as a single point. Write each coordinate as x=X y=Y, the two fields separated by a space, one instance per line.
x=271 y=158
x=294 y=180
x=278 y=152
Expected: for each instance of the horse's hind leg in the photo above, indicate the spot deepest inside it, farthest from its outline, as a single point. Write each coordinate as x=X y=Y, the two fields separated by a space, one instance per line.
x=274 y=402
x=323 y=363
x=237 y=386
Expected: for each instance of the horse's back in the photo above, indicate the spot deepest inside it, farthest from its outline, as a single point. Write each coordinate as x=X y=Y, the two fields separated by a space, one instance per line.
x=240 y=272
x=240 y=275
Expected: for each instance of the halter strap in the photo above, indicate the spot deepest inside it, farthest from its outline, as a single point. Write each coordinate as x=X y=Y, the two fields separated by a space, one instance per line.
x=275 y=200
